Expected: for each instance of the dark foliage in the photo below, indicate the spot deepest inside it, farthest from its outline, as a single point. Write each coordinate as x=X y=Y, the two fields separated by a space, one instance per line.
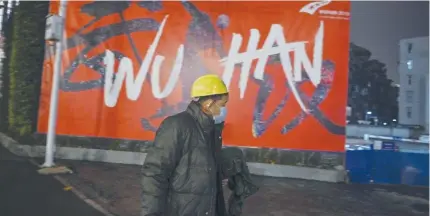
x=7 y=33
x=25 y=66
x=369 y=87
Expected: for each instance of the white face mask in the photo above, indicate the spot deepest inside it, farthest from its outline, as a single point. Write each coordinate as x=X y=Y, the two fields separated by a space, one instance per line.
x=221 y=117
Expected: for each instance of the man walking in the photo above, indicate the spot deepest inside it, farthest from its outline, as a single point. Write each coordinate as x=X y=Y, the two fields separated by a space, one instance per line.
x=181 y=173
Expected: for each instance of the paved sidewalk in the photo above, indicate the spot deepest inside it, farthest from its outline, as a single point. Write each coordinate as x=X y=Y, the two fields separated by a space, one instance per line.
x=117 y=189
x=23 y=192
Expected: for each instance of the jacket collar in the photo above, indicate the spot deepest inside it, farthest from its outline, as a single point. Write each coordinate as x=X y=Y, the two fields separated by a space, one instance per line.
x=205 y=121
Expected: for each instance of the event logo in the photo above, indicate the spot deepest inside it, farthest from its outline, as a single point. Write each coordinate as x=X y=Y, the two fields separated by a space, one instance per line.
x=312 y=7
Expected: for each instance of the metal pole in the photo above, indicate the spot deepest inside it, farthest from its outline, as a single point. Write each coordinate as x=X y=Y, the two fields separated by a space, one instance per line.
x=52 y=123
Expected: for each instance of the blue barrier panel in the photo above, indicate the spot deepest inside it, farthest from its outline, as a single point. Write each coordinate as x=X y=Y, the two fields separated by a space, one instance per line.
x=358 y=163
x=415 y=169
x=388 y=167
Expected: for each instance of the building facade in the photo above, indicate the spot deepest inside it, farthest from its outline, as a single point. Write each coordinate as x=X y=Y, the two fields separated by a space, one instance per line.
x=413 y=69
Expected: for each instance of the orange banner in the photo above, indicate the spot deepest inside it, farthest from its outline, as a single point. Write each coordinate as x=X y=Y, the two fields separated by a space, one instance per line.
x=128 y=65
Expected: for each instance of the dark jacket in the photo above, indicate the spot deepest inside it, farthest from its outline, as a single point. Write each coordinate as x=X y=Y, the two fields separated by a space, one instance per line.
x=180 y=175
x=235 y=169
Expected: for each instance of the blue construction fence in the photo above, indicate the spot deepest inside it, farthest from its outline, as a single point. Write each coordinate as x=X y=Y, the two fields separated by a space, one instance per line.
x=387 y=166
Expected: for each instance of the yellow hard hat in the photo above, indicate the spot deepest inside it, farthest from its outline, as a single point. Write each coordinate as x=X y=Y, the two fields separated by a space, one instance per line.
x=206 y=85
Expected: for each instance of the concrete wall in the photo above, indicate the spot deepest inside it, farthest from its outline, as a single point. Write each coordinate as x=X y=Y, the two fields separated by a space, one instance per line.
x=321 y=160
x=412 y=147
x=359 y=131
x=319 y=166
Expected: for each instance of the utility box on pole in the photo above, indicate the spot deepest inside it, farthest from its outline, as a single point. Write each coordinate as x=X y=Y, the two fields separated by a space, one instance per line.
x=53 y=28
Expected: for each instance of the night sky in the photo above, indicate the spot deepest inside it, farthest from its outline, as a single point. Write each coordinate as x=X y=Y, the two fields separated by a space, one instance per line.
x=378 y=27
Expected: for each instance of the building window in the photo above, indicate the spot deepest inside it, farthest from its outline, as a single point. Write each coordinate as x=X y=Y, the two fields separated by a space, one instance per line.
x=409 y=112
x=409 y=96
x=409 y=79
x=409 y=63
x=356 y=88
x=409 y=48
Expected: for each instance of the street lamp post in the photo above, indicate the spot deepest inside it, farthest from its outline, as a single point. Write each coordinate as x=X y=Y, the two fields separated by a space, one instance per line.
x=57 y=29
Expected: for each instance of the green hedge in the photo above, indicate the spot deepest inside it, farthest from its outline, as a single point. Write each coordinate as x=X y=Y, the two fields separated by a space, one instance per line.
x=4 y=88
x=25 y=66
